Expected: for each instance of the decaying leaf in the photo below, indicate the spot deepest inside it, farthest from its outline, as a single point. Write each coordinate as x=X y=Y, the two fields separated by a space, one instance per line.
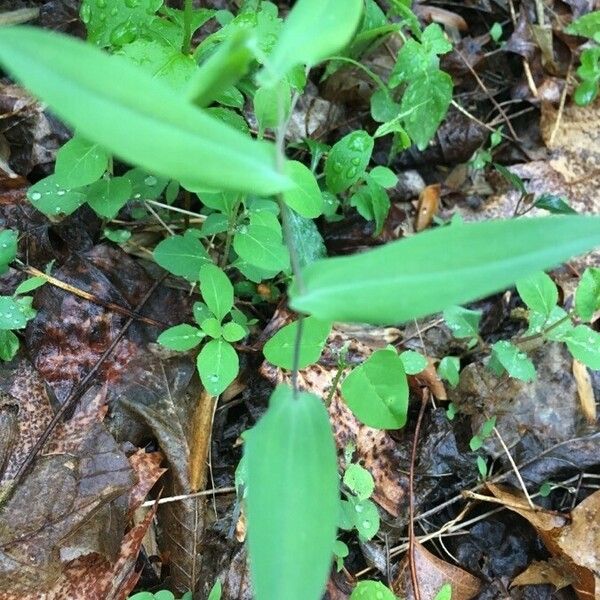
x=432 y=574
x=551 y=571
x=585 y=390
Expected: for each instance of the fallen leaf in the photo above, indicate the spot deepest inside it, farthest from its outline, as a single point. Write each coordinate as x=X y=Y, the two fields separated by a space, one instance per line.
x=429 y=203
x=585 y=390
x=432 y=574
x=544 y=572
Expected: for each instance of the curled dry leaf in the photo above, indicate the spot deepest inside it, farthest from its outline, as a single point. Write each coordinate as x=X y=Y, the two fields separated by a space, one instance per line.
x=585 y=389
x=432 y=574
x=551 y=571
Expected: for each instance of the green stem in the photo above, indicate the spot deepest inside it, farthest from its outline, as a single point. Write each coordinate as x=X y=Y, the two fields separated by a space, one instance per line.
x=380 y=83
x=230 y=230
x=187 y=27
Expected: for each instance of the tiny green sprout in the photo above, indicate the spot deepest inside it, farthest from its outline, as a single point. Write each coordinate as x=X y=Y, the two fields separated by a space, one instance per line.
x=371 y=590
x=545 y=489
x=496 y=31
x=445 y=592
x=482 y=467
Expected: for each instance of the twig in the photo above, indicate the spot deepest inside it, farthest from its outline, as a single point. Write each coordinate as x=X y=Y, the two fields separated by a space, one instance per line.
x=213 y=492
x=411 y=499
x=561 y=107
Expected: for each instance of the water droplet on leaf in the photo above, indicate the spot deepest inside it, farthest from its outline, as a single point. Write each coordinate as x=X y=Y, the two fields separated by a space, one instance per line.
x=150 y=180
x=86 y=13
x=123 y=34
x=36 y=196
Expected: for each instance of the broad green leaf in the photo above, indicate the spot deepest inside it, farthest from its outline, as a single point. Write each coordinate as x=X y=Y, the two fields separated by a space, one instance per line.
x=372 y=590
x=162 y=62
x=79 y=163
x=313 y=31
x=385 y=177
x=272 y=105
x=139 y=119
x=372 y=203
x=116 y=22
x=348 y=160
x=53 y=199
x=584 y=344
x=462 y=322
x=293 y=498
x=514 y=360
x=216 y=290
x=33 y=283
x=279 y=350
x=261 y=246
x=359 y=481
x=108 y=196
x=449 y=369
x=181 y=337
x=9 y=344
x=377 y=391
x=8 y=248
x=218 y=365
x=557 y=205
x=587 y=296
x=233 y=332
x=426 y=101
x=538 y=292
x=182 y=255
x=587 y=25
x=413 y=362
x=12 y=315
x=305 y=198
x=305 y=238
x=539 y=323
x=472 y=260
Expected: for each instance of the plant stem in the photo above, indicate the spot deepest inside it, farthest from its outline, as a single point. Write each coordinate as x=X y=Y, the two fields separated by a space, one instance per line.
x=187 y=27
x=232 y=223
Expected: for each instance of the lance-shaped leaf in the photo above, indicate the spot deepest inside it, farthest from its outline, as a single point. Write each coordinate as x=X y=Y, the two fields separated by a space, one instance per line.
x=112 y=103
x=313 y=31
x=293 y=498
x=450 y=265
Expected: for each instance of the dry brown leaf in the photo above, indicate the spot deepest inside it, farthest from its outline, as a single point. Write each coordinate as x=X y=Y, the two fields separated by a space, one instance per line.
x=200 y=439
x=545 y=572
x=585 y=390
x=429 y=203
x=576 y=542
x=432 y=574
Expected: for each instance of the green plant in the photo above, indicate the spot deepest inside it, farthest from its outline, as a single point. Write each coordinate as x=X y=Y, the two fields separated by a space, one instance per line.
x=160 y=595
x=588 y=26
x=174 y=116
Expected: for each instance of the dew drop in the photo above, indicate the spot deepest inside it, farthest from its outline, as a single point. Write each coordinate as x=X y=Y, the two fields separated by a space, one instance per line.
x=242 y=229
x=351 y=172
x=58 y=209
x=113 y=12
x=214 y=378
x=132 y=3
x=358 y=508
x=101 y=3
x=338 y=167
x=138 y=196
x=102 y=16
x=355 y=161
x=150 y=180
x=123 y=34
x=60 y=192
x=5 y=245
x=36 y=196
x=86 y=13
x=366 y=524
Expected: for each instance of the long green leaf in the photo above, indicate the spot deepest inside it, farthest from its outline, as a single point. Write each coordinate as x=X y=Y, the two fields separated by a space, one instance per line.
x=293 y=498
x=424 y=274
x=313 y=31
x=141 y=120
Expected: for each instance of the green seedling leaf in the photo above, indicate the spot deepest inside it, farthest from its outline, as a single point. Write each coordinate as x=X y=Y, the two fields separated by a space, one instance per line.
x=377 y=391
x=8 y=248
x=462 y=322
x=538 y=292
x=313 y=31
x=365 y=518
x=272 y=105
x=587 y=295
x=218 y=365
x=556 y=205
x=12 y=315
x=182 y=255
x=145 y=186
x=413 y=362
x=216 y=290
x=475 y=443
x=134 y=116
x=33 y=283
x=372 y=203
x=449 y=369
x=9 y=344
x=53 y=199
x=539 y=323
x=293 y=498
x=371 y=590
x=359 y=481
x=118 y=236
x=383 y=176
x=212 y=327
x=586 y=26
x=305 y=238
x=515 y=361
x=472 y=260
x=116 y=22
x=383 y=106
x=223 y=69
x=261 y=246
x=496 y=31
x=79 y=163
x=482 y=465
x=233 y=332
x=305 y=198
x=164 y=595
x=216 y=591
x=108 y=196
x=181 y=337
x=584 y=344
x=201 y=312
x=348 y=160
x=279 y=350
